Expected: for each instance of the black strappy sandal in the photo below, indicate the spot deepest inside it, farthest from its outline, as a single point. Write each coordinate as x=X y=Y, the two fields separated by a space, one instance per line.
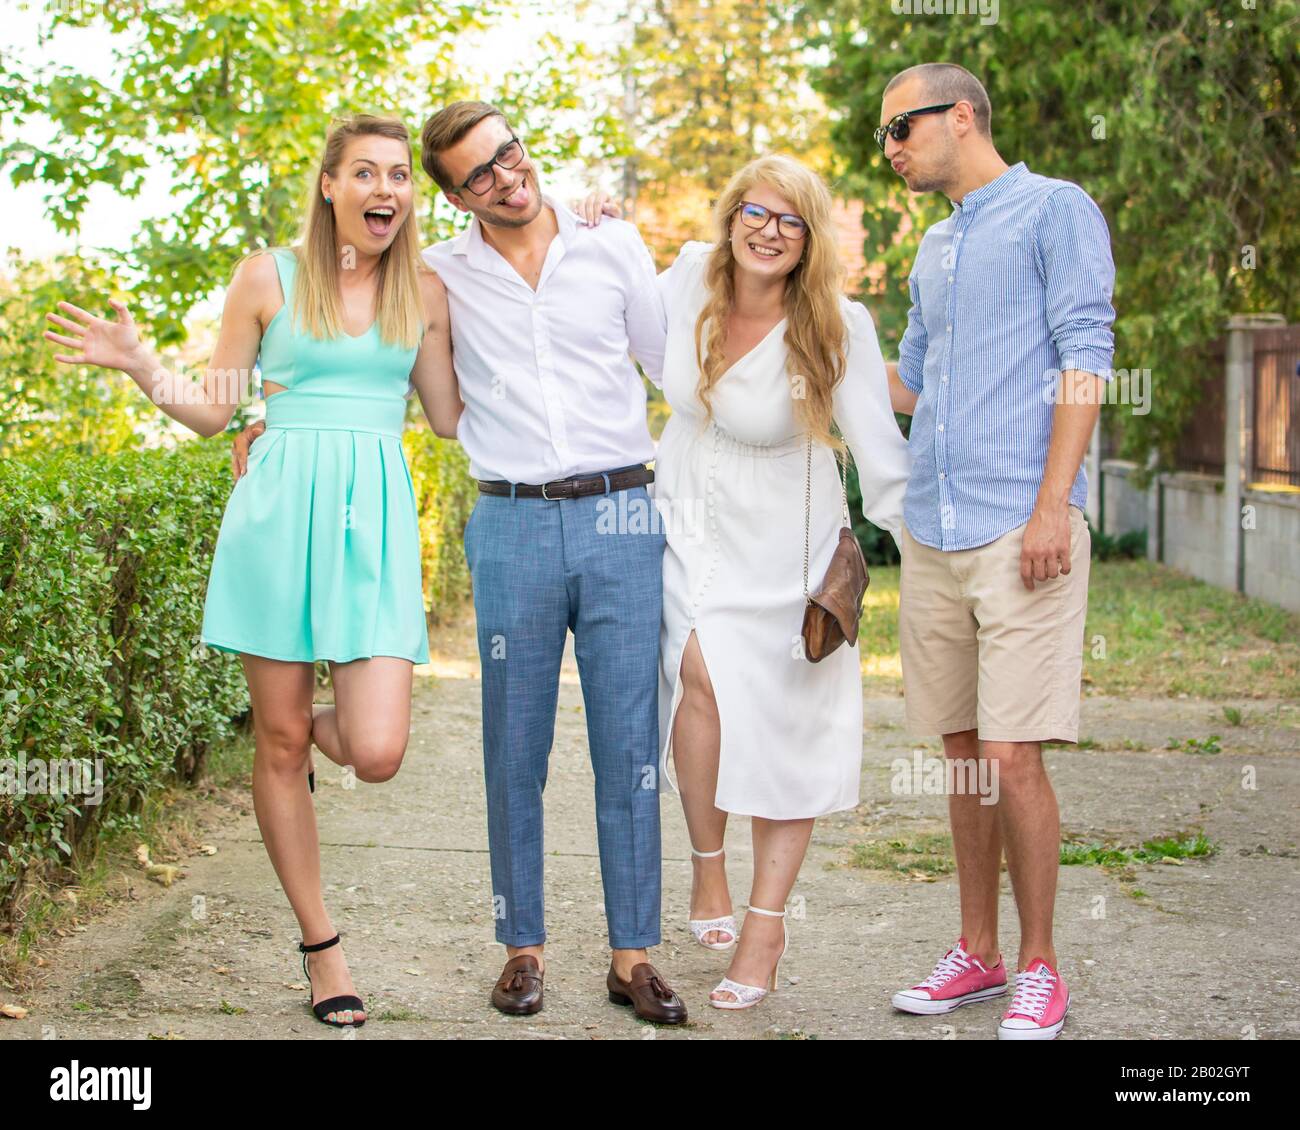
x=334 y=1004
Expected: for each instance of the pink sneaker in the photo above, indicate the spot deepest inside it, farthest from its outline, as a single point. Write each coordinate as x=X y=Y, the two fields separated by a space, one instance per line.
x=958 y=979
x=1038 y=1009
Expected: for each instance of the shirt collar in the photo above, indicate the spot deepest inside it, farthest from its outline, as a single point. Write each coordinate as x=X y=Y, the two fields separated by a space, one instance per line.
x=474 y=247
x=978 y=197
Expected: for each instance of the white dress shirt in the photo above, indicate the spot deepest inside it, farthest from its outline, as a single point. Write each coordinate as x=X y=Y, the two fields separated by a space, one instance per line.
x=549 y=387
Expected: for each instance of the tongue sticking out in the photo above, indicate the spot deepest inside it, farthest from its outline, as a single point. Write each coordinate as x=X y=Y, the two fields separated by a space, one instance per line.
x=518 y=198
x=378 y=224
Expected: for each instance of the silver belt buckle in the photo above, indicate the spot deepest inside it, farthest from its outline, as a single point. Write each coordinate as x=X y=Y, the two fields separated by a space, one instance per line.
x=547 y=496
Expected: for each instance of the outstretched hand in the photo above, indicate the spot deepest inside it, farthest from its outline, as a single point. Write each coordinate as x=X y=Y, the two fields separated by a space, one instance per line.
x=114 y=345
x=239 y=449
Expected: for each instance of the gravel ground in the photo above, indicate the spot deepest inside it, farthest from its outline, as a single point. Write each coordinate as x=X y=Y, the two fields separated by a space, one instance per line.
x=1207 y=952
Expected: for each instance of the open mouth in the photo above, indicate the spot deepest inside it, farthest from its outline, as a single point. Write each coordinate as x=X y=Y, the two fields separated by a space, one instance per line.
x=765 y=252
x=379 y=221
x=517 y=197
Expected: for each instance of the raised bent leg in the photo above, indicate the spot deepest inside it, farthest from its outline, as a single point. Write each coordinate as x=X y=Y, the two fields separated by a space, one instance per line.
x=369 y=724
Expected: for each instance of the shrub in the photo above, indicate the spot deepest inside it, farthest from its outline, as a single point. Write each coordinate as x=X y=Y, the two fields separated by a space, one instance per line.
x=103 y=567
x=444 y=496
x=104 y=561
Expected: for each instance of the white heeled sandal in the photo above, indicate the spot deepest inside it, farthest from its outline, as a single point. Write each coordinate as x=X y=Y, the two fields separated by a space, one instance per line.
x=724 y=925
x=749 y=995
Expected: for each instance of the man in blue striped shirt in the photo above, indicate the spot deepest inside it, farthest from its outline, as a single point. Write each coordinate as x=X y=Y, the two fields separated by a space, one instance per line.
x=1001 y=366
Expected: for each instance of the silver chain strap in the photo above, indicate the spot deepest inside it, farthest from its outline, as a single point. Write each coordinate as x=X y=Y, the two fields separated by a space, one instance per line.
x=807 y=504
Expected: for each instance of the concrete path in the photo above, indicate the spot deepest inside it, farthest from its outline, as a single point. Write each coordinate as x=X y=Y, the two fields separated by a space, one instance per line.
x=1209 y=952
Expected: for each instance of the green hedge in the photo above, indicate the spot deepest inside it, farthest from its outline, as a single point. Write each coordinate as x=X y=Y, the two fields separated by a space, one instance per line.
x=103 y=569
x=444 y=496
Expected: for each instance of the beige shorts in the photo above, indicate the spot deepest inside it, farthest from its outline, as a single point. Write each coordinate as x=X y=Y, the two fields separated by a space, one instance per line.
x=982 y=652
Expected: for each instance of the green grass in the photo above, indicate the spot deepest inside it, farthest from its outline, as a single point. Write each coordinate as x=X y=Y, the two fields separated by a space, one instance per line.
x=926 y=856
x=929 y=855
x=399 y=1012
x=1161 y=634
x=1188 y=846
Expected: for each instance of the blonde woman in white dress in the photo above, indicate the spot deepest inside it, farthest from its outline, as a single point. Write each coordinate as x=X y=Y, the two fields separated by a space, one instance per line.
x=763 y=352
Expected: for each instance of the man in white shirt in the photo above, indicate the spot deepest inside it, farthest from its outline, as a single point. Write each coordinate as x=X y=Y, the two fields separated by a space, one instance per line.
x=544 y=312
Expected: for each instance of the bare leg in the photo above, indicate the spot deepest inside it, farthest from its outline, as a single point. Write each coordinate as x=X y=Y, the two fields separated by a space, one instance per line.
x=325 y=732
x=281 y=695
x=977 y=846
x=697 y=738
x=369 y=724
x=779 y=850
x=1031 y=829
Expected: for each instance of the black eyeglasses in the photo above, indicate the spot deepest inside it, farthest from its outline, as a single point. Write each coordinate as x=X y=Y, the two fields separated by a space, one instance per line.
x=897 y=127
x=787 y=223
x=481 y=180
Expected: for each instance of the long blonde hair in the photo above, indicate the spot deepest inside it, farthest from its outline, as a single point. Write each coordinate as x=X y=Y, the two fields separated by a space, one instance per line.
x=317 y=305
x=815 y=332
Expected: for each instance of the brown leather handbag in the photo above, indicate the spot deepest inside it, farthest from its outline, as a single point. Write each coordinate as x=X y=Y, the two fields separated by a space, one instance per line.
x=831 y=614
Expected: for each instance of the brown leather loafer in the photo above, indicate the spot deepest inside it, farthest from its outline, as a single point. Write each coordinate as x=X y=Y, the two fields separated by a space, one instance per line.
x=519 y=991
x=648 y=993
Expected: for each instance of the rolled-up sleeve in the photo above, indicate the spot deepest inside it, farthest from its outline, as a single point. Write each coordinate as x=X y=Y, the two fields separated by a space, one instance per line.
x=866 y=420
x=911 y=350
x=1074 y=257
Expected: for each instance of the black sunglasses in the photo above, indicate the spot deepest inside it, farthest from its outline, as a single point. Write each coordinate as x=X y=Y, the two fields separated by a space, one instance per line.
x=897 y=127
x=481 y=180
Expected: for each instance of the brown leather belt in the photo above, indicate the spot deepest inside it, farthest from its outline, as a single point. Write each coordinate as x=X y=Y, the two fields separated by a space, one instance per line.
x=577 y=487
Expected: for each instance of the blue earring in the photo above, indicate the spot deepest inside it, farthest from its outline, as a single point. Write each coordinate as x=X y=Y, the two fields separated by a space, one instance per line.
x=329 y=200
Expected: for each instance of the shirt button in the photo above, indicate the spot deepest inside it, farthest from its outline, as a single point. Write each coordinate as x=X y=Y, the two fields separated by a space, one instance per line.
x=950 y=328
x=941 y=427
x=945 y=378
x=950 y=278
x=943 y=474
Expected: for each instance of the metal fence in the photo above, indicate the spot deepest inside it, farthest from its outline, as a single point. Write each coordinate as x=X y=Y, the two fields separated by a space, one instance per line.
x=1276 y=449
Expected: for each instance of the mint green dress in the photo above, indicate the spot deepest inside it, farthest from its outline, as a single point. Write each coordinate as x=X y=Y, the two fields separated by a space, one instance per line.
x=319 y=551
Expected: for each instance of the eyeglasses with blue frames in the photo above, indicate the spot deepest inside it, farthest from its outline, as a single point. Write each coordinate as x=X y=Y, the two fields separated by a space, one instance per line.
x=898 y=128
x=787 y=223
x=481 y=180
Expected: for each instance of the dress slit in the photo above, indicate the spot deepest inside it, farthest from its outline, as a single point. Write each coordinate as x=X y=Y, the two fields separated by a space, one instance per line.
x=678 y=694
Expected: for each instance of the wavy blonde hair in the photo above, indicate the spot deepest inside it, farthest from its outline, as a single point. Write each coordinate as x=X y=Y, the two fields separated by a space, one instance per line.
x=317 y=303
x=815 y=333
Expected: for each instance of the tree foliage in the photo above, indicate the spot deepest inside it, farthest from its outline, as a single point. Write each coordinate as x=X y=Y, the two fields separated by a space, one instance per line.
x=44 y=405
x=1177 y=116
x=232 y=98
x=713 y=83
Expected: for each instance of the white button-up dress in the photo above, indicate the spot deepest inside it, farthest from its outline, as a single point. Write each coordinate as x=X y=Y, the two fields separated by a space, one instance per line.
x=731 y=497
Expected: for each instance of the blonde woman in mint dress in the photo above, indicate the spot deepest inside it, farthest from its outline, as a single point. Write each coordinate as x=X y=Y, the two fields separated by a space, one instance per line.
x=318 y=554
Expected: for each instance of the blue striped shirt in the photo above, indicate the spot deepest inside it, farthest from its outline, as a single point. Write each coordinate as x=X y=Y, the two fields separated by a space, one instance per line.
x=1009 y=291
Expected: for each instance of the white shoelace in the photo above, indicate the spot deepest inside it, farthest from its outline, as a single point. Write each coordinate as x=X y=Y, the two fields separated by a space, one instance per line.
x=1033 y=991
x=955 y=962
